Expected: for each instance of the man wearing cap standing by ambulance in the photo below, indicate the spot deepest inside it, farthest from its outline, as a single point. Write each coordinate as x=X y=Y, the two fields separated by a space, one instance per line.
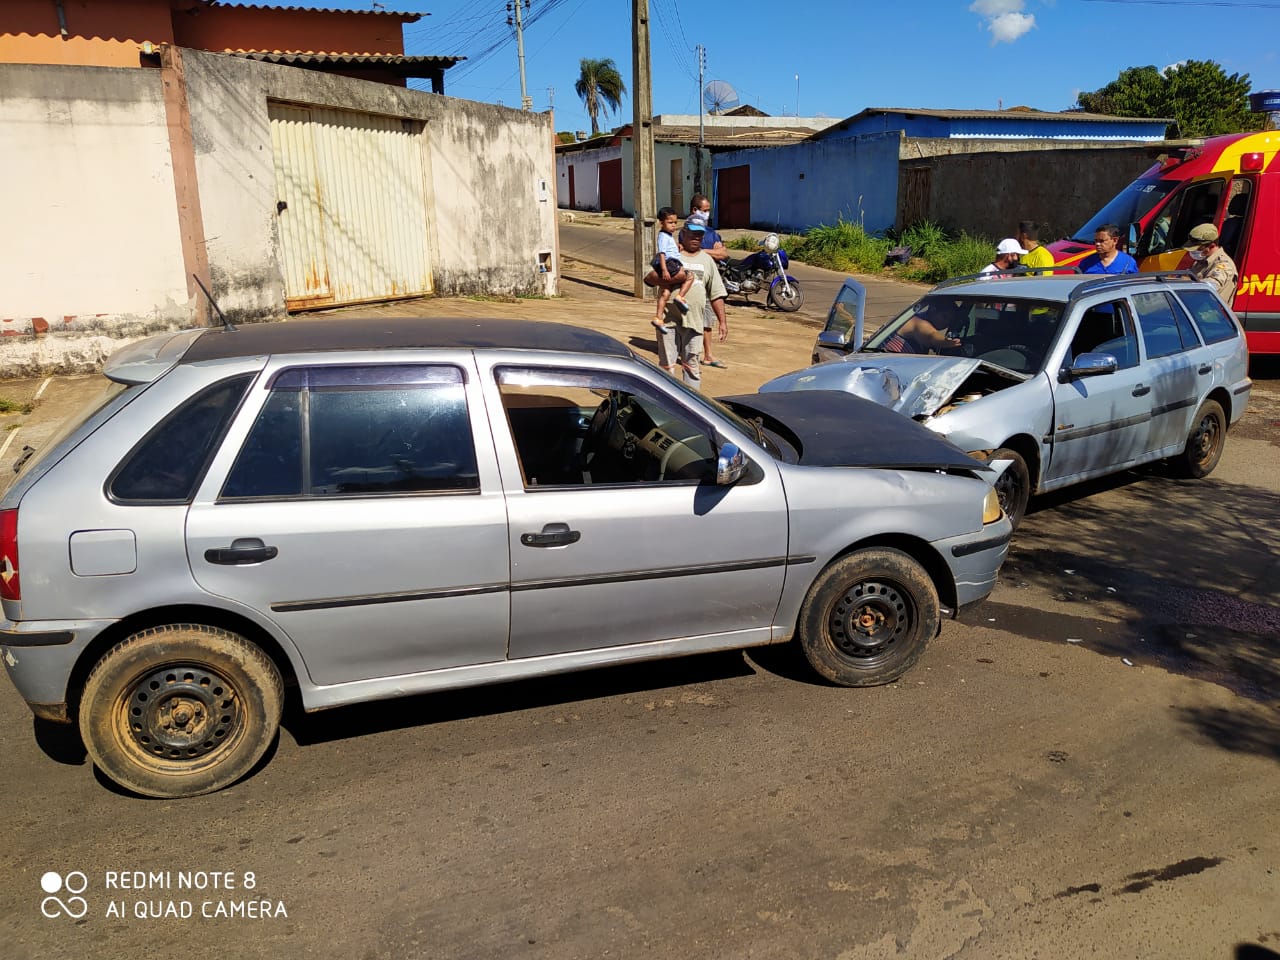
x=1210 y=263
x=1008 y=252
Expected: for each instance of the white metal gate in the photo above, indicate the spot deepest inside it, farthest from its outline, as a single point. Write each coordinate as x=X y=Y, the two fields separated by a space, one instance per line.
x=351 y=206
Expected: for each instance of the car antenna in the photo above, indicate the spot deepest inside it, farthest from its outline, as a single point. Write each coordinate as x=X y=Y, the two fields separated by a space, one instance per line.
x=226 y=324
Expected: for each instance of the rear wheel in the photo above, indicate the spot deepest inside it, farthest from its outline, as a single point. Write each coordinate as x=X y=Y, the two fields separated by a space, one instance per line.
x=1204 y=443
x=868 y=617
x=1013 y=487
x=180 y=710
x=787 y=298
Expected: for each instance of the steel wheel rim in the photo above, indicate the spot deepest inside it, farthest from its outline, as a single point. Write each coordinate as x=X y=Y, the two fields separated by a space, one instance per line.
x=182 y=714
x=1009 y=490
x=869 y=618
x=1205 y=440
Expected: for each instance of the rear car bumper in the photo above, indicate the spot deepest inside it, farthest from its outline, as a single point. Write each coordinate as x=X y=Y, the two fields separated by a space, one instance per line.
x=39 y=656
x=975 y=559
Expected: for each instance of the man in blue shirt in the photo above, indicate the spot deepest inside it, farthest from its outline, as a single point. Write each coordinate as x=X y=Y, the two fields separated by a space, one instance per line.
x=1107 y=256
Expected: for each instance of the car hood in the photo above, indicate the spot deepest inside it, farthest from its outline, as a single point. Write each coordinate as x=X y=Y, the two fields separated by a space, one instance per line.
x=833 y=428
x=912 y=385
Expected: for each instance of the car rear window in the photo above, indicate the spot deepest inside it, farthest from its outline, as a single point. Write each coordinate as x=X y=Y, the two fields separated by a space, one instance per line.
x=167 y=464
x=358 y=431
x=1214 y=322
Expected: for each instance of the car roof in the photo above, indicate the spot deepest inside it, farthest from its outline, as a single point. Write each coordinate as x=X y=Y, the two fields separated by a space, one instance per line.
x=381 y=333
x=1062 y=287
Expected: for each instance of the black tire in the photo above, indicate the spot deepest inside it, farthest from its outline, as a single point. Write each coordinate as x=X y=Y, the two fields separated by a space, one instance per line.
x=1013 y=487
x=180 y=710
x=1204 y=443
x=784 y=301
x=868 y=617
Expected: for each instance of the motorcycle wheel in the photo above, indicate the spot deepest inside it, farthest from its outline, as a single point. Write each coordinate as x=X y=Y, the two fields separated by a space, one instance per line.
x=787 y=298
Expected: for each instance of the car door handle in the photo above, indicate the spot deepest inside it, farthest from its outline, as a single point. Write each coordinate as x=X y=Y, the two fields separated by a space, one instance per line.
x=552 y=535
x=1205 y=368
x=243 y=550
x=1141 y=390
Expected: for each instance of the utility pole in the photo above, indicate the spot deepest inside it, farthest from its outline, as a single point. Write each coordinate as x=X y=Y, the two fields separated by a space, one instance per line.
x=644 y=199
x=526 y=102
x=697 y=163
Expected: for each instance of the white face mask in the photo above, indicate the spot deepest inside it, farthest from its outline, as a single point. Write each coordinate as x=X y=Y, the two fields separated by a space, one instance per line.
x=1198 y=254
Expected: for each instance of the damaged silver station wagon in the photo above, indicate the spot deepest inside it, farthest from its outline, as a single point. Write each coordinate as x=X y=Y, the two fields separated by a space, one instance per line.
x=377 y=508
x=1064 y=377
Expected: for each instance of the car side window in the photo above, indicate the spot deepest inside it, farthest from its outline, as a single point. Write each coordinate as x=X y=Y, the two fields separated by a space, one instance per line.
x=1214 y=323
x=358 y=431
x=1159 y=321
x=166 y=466
x=1107 y=328
x=588 y=428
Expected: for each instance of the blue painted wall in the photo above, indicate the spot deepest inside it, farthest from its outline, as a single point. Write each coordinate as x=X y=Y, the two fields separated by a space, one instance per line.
x=1008 y=127
x=800 y=186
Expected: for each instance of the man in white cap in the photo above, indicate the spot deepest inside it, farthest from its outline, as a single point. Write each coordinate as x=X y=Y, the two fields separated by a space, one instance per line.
x=1210 y=263
x=1008 y=253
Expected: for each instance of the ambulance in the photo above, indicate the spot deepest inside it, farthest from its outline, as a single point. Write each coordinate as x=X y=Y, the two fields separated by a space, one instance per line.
x=1231 y=181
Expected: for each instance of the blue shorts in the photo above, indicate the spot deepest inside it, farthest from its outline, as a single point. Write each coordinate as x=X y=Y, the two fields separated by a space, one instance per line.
x=674 y=266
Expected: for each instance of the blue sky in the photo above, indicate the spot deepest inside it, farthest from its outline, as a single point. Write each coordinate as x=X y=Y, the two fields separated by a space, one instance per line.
x=960 y=54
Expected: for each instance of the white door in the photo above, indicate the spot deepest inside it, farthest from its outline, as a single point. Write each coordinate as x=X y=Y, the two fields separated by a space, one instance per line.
x=351 y=206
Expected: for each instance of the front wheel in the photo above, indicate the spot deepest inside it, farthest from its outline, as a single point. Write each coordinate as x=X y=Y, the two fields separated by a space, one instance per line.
x=1204 y=443
x=1013 y=487
x=786 y=298
x=868 y=617
x=180 y=710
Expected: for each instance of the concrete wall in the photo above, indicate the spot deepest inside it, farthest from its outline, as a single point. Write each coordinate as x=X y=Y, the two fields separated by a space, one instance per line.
x=491 y=194
x=799 y=186
x=90 y=243
x=988 y=192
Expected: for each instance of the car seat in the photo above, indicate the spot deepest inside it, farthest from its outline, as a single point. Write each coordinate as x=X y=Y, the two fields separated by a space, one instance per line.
x=1229 y=235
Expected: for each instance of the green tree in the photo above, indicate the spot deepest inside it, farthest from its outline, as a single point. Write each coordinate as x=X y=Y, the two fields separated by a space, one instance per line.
x=1198 y=95
x=599 y=86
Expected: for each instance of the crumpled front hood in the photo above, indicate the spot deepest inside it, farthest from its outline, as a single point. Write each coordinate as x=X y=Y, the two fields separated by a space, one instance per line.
x=914 y=386
x=836 y=429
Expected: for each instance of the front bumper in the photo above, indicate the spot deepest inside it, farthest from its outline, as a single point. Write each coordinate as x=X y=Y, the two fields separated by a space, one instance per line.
x=975 y=559
x=40 y=655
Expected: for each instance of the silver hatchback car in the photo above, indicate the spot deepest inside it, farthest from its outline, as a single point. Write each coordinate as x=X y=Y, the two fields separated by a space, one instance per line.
x=376 y=508
x=1062 y=377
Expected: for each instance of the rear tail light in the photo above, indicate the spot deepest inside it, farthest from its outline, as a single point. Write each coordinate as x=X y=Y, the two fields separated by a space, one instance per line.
x=10 y=585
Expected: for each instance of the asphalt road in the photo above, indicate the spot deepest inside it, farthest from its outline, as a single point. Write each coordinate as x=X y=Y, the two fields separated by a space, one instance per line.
x=1084 y=765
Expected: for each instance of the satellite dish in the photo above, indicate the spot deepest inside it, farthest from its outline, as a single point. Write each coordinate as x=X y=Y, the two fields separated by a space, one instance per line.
x=719 y=97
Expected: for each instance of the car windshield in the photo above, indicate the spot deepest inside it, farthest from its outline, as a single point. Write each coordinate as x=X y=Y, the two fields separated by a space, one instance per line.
x=99 y=406
x=1130 y=205
x=1012 y=333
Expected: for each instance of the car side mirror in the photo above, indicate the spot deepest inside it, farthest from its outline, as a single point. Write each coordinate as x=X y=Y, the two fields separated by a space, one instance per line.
x=730 y=465
x=832 y=339
x=1089 y=365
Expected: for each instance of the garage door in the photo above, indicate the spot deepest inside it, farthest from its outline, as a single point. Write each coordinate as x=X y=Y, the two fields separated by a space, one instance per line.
x=351 y=210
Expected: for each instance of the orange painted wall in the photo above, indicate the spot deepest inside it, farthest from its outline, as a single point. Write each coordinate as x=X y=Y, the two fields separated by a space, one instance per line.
x=281 y=31
x=110 y=33
x=100 y=34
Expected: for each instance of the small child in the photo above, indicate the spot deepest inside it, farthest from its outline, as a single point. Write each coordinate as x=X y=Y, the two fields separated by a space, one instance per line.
x=668 y=272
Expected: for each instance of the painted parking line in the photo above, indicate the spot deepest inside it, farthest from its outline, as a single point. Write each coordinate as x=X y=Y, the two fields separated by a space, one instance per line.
x=46 y=383
x=8 y=440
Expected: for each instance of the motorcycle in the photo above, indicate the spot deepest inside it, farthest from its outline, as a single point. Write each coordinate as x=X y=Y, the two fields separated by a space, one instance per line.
x=764 y=269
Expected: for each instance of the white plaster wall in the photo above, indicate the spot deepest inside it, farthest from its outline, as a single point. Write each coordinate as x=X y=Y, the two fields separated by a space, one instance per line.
x=90 y=239
x=586 y=176
x=490 y=193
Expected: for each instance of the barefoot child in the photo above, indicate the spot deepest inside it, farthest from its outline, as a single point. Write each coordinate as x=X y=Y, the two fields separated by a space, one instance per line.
x=668 y=272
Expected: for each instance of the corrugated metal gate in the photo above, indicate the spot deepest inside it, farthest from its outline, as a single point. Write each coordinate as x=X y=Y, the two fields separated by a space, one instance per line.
x=351 y=206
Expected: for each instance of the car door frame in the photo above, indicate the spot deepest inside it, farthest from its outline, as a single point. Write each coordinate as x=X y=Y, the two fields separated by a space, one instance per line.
x=728 y=591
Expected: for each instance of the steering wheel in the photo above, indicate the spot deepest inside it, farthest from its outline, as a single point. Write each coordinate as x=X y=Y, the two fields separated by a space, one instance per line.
x=602 y=425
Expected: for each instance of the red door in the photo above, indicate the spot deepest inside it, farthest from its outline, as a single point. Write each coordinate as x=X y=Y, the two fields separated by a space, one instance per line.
x=611 y=185
x=733 y=193
x=573 y=197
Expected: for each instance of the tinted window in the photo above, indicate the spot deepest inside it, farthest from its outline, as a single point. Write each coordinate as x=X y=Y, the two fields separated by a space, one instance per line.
x=1158 y=320
x=1214 y=322
x=171 y=459
x=1106 y=328
x=358 y=431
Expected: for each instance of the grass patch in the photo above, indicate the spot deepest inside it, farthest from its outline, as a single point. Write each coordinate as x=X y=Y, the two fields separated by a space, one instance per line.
x=936 y=254
x=13 y=406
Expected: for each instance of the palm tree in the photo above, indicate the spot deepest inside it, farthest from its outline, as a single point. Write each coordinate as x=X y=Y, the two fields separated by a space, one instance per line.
x=599 y=84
